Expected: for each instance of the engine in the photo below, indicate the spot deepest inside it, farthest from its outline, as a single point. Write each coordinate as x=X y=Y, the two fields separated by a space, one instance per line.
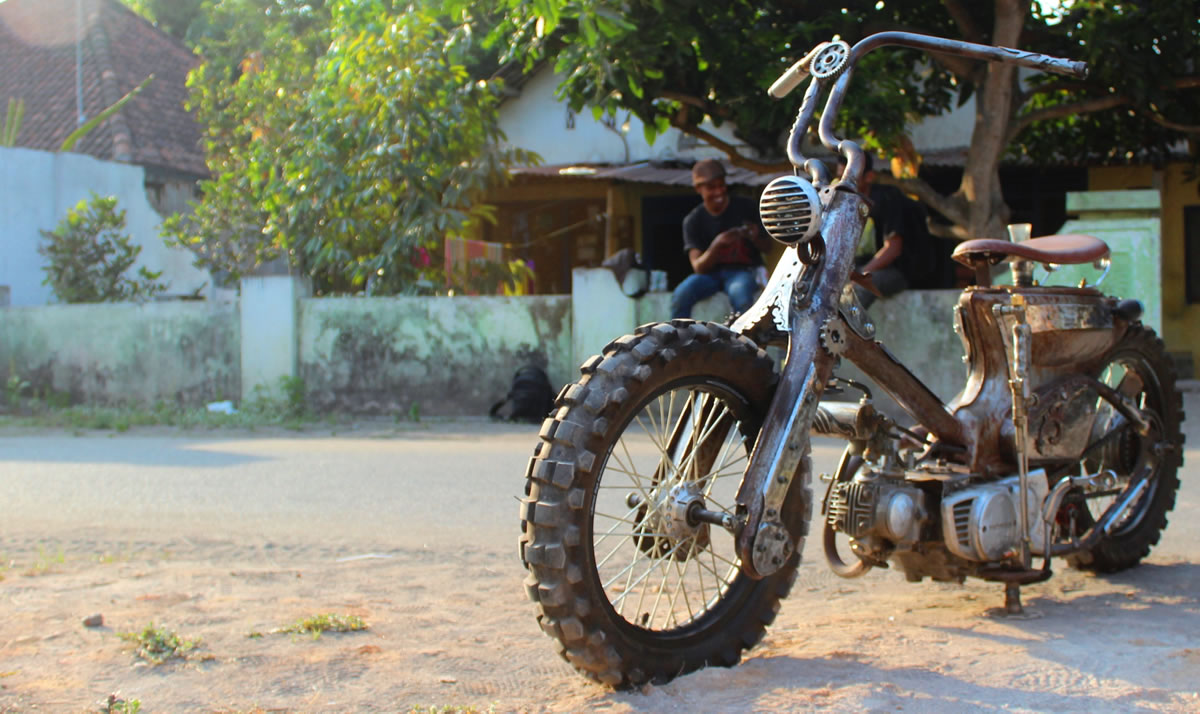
x=979 y=523
x=876 y=506
x=982 y=523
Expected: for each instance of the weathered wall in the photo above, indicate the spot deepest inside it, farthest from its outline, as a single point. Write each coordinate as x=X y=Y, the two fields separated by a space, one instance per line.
x=37 y=188
x=917 y=326
x=445 y=355
x=176 y=352
x=1178 y=191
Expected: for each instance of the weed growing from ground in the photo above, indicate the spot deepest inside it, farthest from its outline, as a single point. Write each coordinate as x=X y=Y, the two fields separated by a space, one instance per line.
x=315 y=625
x=116 y=705
x=157 y=644
x=45 y=561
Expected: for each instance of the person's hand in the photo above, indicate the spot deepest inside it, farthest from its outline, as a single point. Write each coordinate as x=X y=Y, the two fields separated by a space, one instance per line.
x=727 y=238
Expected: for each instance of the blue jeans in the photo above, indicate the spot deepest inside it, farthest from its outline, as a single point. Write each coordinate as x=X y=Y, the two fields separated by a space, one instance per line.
x=738 y=283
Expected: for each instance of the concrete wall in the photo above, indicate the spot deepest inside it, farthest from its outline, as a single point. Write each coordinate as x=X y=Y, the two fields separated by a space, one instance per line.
x=37 y=188
x=175 y=352
x=445 y=355
x=916 y=326
x=1177 y=190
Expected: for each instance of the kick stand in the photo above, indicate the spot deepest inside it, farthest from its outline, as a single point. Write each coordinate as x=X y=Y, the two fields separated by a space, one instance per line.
x=1012 y=599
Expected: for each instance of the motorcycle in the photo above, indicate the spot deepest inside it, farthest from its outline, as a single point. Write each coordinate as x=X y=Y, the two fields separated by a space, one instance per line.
x=670 y=494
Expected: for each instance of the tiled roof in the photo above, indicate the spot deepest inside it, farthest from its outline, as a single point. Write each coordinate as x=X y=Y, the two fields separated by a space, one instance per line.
x=118 y=50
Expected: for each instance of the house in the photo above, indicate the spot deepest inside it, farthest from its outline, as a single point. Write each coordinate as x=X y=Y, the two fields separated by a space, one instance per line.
x=68 y=60
x=603 y=188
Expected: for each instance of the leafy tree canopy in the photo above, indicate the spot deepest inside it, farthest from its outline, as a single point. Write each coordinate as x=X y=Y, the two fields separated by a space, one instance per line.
x=675 y=63
x=348 y=148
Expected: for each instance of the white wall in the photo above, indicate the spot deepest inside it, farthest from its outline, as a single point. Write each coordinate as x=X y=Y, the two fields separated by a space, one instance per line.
x=537 y=120
x=37 y=188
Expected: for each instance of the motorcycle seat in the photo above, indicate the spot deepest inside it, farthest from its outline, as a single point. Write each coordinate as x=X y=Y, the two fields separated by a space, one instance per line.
x=1067 y=249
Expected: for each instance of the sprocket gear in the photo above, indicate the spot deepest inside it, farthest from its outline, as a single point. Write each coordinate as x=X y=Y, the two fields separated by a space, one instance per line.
x=833 y=336
x=830 y=62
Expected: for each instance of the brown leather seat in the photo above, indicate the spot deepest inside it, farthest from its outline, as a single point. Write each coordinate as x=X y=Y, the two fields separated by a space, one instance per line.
x=1069 y=249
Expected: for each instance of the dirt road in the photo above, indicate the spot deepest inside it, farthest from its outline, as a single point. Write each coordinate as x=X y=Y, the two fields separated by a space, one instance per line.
x=224 y=536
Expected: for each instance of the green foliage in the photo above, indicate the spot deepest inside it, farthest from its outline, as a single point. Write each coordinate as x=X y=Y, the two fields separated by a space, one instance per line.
x=676 y=62
x=90 y=124
x=349 y=150
x=88 y=256
x=15 y=387
x=480 y=276
x=316 y=625
x=13 y=117
x=156 y=645
x=116 y=705
x=679 y=63
x=288 y=402
x=1147 y=53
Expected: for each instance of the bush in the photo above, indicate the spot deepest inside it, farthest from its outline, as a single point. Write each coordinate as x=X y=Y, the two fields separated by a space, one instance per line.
x=88 y=256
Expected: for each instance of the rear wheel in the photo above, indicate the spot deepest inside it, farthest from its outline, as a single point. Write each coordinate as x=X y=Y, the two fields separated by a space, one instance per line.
x=1139 y=369
x=632 y=585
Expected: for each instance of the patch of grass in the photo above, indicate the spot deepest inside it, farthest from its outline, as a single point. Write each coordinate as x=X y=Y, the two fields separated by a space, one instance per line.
x=316 y=625
x=45 y=561
x=157 y=644
x=116 y=705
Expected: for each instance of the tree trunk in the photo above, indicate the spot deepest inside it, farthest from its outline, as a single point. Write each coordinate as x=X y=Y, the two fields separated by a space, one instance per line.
x=987 y=213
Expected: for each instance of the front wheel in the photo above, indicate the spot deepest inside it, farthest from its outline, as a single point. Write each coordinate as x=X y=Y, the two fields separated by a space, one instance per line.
x=633 y=586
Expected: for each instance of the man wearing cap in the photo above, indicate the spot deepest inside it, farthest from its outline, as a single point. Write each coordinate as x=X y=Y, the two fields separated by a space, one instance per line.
x=724 y=242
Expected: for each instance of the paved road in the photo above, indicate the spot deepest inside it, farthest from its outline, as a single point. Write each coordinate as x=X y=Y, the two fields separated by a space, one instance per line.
x=448 y=485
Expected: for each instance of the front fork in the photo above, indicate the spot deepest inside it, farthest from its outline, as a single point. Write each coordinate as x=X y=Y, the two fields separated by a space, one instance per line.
x=800 y=299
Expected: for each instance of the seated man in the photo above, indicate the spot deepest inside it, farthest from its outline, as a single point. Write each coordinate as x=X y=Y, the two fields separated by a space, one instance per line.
x=896 y=248
x=724 y=242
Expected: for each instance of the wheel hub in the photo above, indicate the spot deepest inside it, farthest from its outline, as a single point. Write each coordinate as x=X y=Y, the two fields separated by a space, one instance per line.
x=669 y=527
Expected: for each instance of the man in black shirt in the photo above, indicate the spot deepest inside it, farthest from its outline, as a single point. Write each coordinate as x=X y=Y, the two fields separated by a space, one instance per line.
x=724 y=242
x=891 y=251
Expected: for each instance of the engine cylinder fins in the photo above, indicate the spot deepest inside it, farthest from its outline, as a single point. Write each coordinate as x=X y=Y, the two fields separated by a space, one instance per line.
x=790 y=210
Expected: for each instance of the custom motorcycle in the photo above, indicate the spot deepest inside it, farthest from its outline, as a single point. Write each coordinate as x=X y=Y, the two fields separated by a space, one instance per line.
x=670 y=493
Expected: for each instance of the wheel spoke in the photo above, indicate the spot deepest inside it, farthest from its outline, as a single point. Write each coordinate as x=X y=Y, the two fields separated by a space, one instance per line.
x=656 y=577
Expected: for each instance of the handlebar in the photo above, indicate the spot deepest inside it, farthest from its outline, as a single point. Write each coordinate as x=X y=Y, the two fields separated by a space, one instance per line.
x=837 y=60
x=799 y=71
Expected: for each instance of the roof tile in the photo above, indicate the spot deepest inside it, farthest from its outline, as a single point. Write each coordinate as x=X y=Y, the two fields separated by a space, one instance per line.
x=117 y=51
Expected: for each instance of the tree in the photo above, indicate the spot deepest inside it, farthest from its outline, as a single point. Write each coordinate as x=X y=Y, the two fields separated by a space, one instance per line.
x=88 y=256
x=675 y=63
x=351 y=150
x=173 y=17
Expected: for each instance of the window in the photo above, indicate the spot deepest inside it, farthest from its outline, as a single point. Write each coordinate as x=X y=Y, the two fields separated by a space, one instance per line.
x=1191 y=253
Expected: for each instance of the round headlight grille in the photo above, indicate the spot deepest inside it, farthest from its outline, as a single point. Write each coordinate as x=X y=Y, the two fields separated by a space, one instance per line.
x=790 y=210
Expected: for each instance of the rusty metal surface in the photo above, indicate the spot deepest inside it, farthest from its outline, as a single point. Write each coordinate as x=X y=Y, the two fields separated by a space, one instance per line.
x=909 y=392
x=1072 y=329
x=780 y=456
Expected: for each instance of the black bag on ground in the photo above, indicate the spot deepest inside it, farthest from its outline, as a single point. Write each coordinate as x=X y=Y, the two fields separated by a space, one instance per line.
x=530 y=398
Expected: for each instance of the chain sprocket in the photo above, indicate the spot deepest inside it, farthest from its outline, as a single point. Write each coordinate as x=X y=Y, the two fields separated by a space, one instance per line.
x=831 y=61
x=833 y=336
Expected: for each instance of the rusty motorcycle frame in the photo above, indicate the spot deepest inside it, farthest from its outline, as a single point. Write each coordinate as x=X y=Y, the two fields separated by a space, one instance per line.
x=670 y=494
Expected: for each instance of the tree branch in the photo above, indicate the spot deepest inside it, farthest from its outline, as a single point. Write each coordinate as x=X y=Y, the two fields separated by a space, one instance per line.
x=952 y=209
x=1174 y=126
x=962 y=17
x=735 y=157
x=693 y=101
x=961 y=67
x=1096 y=104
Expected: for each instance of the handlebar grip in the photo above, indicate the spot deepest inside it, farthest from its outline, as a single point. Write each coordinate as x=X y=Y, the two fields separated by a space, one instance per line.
x=790 y=79
x=795 y=74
